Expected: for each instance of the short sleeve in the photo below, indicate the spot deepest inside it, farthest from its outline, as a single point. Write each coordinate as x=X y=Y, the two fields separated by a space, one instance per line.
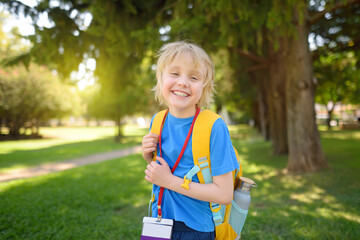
x=222 y=154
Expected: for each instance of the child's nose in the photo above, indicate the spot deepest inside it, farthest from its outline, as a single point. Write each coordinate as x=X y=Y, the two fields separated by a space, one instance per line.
x=183 y=81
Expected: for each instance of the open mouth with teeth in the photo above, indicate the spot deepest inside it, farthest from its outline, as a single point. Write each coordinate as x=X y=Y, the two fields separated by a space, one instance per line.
x=181 y=94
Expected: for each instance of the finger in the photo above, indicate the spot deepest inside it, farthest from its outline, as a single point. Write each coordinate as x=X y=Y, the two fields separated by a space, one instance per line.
x=147 y=139
x=147 y=179
x=161 y=160
x=149 y=144
x=153 y=135
x=149 y=166
x=149 y=150
x=153 y=140
x=154 y=164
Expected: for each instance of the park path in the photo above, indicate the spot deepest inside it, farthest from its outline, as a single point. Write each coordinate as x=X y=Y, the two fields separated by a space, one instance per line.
x=68 y=164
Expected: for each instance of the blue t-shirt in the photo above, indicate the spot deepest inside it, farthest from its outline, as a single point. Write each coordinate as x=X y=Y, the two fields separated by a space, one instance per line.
x=196 y=214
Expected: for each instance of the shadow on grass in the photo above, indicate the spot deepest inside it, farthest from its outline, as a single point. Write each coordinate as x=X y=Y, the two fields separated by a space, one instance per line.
x=27 y=158
x=321 y=205
x=341 y=134
x=101 y=201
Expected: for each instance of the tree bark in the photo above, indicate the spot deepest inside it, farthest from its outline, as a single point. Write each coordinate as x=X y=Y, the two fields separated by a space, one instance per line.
x=15 y=126
x=256 y=114
x=277 y=98
x=328 y=120
x=330 y=113
x=262 y=97
x=119 y=125
x=305 y=151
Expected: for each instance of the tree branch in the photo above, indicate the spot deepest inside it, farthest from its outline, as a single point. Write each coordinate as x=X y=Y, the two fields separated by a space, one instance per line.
x=253 y=57
x=256 y=67
x=312 y=20
x=339 y=48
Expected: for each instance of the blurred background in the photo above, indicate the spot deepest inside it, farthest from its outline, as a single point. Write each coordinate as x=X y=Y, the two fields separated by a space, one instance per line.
x=83 y=62
x=80 y=72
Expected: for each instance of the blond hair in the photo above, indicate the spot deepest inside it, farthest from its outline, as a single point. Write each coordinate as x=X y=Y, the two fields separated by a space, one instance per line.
x=168 y=52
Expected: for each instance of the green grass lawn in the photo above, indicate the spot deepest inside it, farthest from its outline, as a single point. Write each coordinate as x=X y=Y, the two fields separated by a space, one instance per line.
x=109 y=199
x=64 y=143
x=322 y=205
x=102 y=201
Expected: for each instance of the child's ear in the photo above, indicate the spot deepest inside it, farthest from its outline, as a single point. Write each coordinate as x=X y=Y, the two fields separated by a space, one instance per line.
x=158 y=75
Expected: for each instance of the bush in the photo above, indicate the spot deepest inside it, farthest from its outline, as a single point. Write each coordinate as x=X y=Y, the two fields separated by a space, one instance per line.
x=30 y=97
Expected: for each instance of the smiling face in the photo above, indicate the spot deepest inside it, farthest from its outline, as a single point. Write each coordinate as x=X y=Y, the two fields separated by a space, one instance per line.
x=195 y=64
x=182 y=85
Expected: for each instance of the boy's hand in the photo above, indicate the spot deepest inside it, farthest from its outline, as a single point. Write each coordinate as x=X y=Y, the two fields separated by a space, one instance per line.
x=149 y=144
x=158 y=174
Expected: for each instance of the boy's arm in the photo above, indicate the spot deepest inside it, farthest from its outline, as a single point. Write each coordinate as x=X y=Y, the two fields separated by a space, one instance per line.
x=220 y=191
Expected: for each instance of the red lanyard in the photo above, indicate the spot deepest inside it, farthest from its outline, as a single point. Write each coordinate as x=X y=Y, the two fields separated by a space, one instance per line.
x=179 y=157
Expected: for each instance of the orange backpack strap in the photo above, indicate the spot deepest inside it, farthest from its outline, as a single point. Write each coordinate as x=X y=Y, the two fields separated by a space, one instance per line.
x=238 y=172
x=201 y=139
x=156 y=125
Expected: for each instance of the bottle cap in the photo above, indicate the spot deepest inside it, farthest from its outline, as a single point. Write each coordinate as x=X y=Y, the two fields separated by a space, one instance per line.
x=247 y=183
x=247 y=180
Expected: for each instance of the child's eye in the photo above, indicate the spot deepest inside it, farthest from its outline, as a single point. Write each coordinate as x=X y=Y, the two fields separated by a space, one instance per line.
x=174 y=73
x=194 y=78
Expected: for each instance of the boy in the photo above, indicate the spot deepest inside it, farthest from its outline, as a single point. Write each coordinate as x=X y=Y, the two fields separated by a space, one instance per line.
x=185 y=83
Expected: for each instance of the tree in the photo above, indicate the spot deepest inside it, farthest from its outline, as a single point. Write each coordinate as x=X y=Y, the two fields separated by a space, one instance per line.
x=30 y=97
x=338 y=79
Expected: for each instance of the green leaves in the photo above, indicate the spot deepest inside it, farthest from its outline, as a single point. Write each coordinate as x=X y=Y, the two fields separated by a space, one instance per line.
x=338 y=78
x=28 y=97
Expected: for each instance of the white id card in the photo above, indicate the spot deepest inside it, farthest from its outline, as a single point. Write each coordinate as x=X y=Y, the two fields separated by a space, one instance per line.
x=156 y=230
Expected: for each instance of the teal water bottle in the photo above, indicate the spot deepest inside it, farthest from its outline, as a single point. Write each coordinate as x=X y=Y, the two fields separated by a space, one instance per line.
x=242 y=195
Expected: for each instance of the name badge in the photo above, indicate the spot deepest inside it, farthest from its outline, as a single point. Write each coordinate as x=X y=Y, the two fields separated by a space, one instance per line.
x=156 y=230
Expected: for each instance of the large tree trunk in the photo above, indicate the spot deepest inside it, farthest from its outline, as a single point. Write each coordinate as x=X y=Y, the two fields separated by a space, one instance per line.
x=277 y=99
x=305 y=152
x=263 y=106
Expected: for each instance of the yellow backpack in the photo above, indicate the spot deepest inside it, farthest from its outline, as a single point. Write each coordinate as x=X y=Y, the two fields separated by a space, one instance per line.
x=228 y=219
